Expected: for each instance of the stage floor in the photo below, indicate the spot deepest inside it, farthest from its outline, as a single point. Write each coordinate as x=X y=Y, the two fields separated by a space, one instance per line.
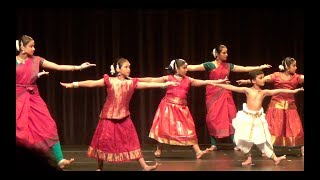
x=178 y=158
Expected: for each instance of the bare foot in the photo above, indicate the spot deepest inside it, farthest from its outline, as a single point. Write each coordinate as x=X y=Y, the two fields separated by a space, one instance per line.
x=150 y=168
x=64 y=162
x=277 y=160
x=212 y=148
x=236 y=149
x=201 y=153
x=99 y=169
x=157 y=153
x=247 y=162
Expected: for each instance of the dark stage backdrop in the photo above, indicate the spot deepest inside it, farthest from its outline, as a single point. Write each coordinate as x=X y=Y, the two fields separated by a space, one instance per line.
x=150 y=39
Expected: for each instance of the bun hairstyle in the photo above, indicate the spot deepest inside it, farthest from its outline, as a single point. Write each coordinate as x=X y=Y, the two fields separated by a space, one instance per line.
x=18 y=45
x=174 y=65
x=23 y=41
x=116 y=65
x=217 y=50
x=281 y=67
x=285 y=64
x=214 y=53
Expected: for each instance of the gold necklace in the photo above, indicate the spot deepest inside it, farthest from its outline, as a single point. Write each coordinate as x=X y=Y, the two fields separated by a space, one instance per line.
x=256 y=89
x=178 y=76
x=20 y=60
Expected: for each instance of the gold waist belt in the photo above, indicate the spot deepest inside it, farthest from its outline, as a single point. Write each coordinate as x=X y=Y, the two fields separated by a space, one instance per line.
x=176 y=100
x=283 y=105
x=255 y=115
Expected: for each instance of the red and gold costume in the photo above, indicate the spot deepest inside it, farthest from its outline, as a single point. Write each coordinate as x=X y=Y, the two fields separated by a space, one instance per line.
x=116 y=139
x=283 y=119
x=173 y=123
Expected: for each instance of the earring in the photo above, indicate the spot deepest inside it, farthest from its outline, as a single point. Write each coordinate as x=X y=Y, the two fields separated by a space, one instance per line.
x=23 y=52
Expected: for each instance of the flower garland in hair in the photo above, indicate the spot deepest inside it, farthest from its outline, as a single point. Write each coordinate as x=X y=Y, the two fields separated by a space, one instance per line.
x=112 y=71
x=17 y=45
x=172 y=64
x=281 y=67
x=214 y=52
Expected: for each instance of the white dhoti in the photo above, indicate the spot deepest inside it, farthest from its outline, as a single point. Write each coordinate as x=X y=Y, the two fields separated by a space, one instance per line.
x=251 y=128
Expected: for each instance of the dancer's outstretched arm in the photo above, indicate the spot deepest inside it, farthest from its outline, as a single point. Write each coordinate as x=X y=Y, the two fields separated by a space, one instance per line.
x=87 y=84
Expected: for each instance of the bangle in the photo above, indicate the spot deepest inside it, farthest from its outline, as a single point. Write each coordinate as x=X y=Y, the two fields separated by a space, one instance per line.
x=80 y=67
x=75 y=84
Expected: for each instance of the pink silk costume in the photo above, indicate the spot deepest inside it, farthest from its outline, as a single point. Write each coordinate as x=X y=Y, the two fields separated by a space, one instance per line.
x=173 y=123
x=220 y=105
x=283 y=119
x=34 y=124
x=115 y=138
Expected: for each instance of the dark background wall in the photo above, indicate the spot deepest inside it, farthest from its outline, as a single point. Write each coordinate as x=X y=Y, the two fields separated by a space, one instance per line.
x=150 y=39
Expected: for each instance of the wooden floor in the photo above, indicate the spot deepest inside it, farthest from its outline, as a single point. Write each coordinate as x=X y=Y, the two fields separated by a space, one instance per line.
x=177 y=158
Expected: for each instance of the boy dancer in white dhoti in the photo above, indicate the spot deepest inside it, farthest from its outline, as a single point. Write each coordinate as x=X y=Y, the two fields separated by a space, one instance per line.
x=250 y=124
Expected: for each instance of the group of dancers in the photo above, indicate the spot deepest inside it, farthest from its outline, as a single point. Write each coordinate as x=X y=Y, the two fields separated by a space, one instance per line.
x=115 y=138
